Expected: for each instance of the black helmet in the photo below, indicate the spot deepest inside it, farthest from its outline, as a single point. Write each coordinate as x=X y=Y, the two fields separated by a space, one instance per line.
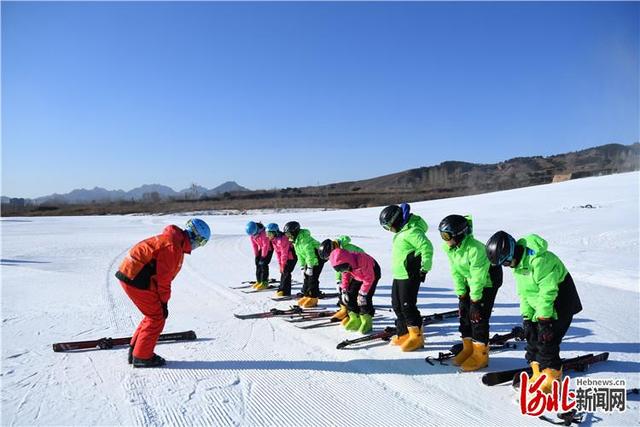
x=501 y=248
x=291 y=229
x=454 y=227
x=391 y=217
x=326 y=247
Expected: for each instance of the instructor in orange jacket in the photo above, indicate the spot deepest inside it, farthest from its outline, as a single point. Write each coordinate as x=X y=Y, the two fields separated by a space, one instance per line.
x=146 y=275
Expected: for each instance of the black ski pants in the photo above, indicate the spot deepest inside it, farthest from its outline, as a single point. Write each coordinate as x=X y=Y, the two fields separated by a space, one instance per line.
x=567 y=304
x=262 y=267
x=285 y=276
x=480 y=331
x=311 y=284
x=404 y=299
x=354 y=289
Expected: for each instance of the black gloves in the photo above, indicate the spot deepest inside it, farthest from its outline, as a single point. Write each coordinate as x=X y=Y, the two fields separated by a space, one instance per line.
x=545 y=331
x=475 y=313
x=463 y=306
x=423 y=276
x=165 y=310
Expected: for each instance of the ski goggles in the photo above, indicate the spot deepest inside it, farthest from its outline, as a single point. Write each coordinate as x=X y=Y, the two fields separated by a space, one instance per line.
x=508 y=258
x=197 y=241
x=446 y=236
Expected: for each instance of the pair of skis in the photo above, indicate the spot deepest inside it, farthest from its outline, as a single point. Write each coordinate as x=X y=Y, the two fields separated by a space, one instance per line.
x=579 y=364
x=496 y=343
x=292 y=297
x=389 y=331
x=294 y=311
x=108 y=343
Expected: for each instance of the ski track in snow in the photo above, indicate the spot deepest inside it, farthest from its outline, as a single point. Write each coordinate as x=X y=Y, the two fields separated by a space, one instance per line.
x=267 y=371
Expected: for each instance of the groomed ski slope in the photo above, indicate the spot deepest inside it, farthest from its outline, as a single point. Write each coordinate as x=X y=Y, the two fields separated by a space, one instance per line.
x=58 y=284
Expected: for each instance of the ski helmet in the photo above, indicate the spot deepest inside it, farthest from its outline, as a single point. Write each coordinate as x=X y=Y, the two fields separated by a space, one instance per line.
x=272 y=228
x=291 y=229
x=501 y=248
x=251 y=228
x=392 y=217
x=454 y=227
x=198 y=231
x=326 y=247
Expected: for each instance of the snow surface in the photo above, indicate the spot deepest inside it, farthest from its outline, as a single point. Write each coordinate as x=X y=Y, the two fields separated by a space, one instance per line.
x=58 y=284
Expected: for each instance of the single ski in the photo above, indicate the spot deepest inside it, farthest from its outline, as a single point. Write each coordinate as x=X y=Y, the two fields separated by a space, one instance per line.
x=390 y=331
x=565 y=418
x=253 y=291
x=291 y=297
x=274 y=312
x=323 y=324
x=496 y=343
x=580 y=363
x=309 y=316
x=107 y=343
x=249 y=283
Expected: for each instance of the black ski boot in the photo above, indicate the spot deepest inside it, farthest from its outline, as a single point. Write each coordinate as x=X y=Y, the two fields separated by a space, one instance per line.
x=154 y=362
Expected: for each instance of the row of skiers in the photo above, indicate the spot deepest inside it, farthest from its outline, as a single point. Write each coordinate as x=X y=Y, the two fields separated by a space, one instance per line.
x=547 y=293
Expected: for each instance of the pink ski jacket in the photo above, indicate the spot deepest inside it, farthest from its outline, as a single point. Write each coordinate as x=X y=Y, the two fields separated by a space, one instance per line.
x=283 y=249
x=361 y=268
x=261 y=244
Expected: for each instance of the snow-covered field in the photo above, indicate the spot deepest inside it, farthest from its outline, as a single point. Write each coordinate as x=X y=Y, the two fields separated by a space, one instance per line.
x=58 y=284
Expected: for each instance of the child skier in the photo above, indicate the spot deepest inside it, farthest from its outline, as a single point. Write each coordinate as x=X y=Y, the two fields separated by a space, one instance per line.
x=326 y=247
x=476 y=283
x=548 y=298
x=146 y=274
x=262 y=251
x=286 y=258
x=306 y=249
x=412 y=255
x=360 y=276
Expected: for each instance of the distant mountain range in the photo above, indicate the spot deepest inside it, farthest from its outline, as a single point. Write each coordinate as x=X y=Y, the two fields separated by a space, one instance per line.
x=152 y=192
x=448 y=179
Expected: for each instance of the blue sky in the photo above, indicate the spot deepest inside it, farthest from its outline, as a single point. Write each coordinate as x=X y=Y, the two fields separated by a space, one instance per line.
x=117 y=95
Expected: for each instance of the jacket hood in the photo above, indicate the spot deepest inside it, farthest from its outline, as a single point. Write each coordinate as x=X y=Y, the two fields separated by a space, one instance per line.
x=341 y=256
x=179 y=236
x=343 y=240
x=416 y=221
x=534 y=243
x=303 y=234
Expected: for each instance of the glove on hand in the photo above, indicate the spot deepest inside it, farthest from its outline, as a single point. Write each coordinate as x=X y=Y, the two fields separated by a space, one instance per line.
x=362 y=300
x=345 y=298
x=308 y=271
x=545 y=331
x=423 y=276
x=475 y=312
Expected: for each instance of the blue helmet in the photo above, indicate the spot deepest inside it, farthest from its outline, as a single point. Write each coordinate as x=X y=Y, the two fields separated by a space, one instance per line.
x=272 y=228
x=251 y=228
x=198 y=231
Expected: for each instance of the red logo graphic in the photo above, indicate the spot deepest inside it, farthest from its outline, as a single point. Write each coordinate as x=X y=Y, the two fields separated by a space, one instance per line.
x=533 y=401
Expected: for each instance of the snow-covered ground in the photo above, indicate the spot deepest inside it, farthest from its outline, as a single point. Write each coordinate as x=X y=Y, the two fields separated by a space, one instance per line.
x=58 y=284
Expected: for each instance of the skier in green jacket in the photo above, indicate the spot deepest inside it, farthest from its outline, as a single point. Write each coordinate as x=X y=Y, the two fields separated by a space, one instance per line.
x=548 y=298
x=326 y=247
x=306 y=248
x=412 y=254
x=476 y=284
